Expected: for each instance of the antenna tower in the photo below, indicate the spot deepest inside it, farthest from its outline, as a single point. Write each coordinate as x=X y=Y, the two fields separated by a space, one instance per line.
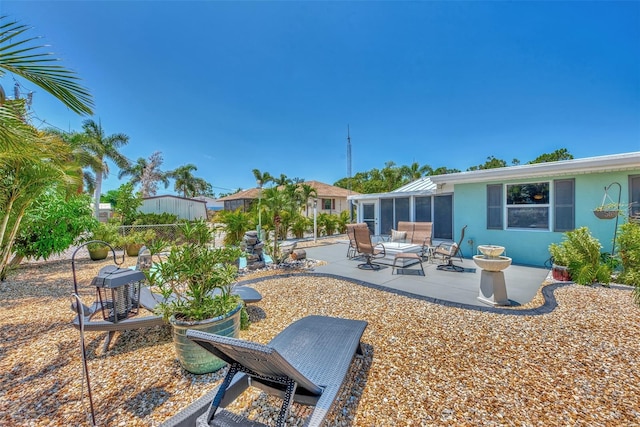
x=349 y=173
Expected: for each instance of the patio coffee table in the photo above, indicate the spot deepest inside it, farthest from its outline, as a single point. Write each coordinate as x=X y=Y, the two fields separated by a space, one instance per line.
x=393 y=248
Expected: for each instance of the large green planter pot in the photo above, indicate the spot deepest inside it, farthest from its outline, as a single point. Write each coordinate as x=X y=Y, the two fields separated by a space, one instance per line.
x=194 y=358
x=99 y=253
x=133 y=249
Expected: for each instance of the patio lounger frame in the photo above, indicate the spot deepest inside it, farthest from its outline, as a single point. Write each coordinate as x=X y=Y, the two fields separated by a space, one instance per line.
x=306 y=363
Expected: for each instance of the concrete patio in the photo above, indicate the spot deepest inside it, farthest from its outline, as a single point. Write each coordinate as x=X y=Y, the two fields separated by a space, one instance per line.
x=444 y=287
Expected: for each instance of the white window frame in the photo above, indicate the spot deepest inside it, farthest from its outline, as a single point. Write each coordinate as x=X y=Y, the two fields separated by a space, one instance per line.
x=548 y=206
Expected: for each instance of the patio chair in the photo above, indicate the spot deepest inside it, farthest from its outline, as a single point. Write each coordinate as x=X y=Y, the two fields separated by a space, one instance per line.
x=305 y=363
x=422 y=236
x=447 y=251
x=352 y=250
x=367 y=249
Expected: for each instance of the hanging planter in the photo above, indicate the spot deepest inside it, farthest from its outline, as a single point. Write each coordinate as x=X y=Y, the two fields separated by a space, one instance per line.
x=608 y=209
x=603 y=213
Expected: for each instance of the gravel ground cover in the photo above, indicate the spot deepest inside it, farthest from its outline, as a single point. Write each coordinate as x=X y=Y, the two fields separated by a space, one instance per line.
x=424 y=364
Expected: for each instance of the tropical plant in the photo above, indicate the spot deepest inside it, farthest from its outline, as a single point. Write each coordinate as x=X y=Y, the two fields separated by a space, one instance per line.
x=39 y=66
x=147 y=173
x=306 y=192
x=343 y=219
x=184 y=179
x=300 y=225
x=327 y=223
x=136 y=237
x=629 y=251
x=23 y=179
x=234 y=224
x=581 y=251
x=52 y=224
x=262 y=178
x=31 y=163
x=195 y=280
x=102 y=147
x=104 y=232
x=127 y=204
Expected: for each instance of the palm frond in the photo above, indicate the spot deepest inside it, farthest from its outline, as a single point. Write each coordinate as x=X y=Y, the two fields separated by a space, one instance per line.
x=26 y=61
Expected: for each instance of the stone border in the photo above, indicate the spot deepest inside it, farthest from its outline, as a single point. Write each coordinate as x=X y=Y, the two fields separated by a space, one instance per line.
x=547 y=307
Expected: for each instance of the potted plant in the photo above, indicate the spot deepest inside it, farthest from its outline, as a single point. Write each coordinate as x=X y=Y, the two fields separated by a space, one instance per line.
x=104 y=232
x=608 y=210
x=560 y=262
x=133 y=241
x=581 y=253
x=195 y=280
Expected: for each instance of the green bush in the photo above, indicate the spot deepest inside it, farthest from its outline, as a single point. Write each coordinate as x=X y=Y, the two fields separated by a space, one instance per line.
x=234 y=224
x=580 y=251
x=154 y=218
x=629 y=251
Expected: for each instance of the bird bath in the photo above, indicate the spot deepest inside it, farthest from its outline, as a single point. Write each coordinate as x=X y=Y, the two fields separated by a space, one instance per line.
x=493 y=289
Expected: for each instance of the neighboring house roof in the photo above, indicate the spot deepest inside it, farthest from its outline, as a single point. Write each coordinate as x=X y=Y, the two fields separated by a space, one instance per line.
x=251 y=193
x=420 y=187
x=324 y=191
x=609 y=163
x=328 y=191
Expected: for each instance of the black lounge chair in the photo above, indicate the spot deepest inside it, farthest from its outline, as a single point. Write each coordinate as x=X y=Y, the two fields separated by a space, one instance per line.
x=305 y=363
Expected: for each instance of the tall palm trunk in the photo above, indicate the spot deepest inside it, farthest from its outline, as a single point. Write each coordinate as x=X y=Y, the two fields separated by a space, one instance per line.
x=97 y=193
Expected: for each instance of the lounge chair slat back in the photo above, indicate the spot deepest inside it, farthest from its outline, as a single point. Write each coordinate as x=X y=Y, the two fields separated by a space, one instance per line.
x=261 y=359
x=314 y=352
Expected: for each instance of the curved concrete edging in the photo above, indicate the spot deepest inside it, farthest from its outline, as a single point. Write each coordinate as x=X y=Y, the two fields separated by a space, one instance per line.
x=548 y=306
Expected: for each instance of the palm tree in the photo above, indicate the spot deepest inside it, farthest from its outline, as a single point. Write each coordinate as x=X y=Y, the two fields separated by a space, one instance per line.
x=147 y=173
x=184 y=179
x=20 y=57
x=30 y=162
x=282 y=180
x=415 y=171
x=306 y=192
x=262 y=178
x=24 y=179
x=104 y=148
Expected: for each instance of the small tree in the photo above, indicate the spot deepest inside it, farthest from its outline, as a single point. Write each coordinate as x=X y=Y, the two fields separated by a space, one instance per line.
x=127 y=204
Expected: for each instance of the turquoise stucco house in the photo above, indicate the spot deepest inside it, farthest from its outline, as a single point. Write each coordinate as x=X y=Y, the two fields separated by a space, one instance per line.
x=523 y=208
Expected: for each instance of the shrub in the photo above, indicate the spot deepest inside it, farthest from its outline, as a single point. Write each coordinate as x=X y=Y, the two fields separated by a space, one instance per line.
x=629 y=251
x=581 y=252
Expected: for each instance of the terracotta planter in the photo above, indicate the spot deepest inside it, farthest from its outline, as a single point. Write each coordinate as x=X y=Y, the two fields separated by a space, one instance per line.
x=99 y=253
x=560 y=273
x=194 y=358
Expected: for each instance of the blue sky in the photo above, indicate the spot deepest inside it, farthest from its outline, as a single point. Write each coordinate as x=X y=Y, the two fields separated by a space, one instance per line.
x=233 y=86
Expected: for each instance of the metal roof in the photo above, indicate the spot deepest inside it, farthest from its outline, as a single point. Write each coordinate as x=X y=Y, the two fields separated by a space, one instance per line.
x=419 y=187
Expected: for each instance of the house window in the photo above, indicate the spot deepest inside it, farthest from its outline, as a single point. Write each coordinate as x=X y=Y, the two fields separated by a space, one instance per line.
x=423 y=209
x=564 y=205
x=494 y=207
x=528 y=206
x=328 y=204
x=634 y=197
